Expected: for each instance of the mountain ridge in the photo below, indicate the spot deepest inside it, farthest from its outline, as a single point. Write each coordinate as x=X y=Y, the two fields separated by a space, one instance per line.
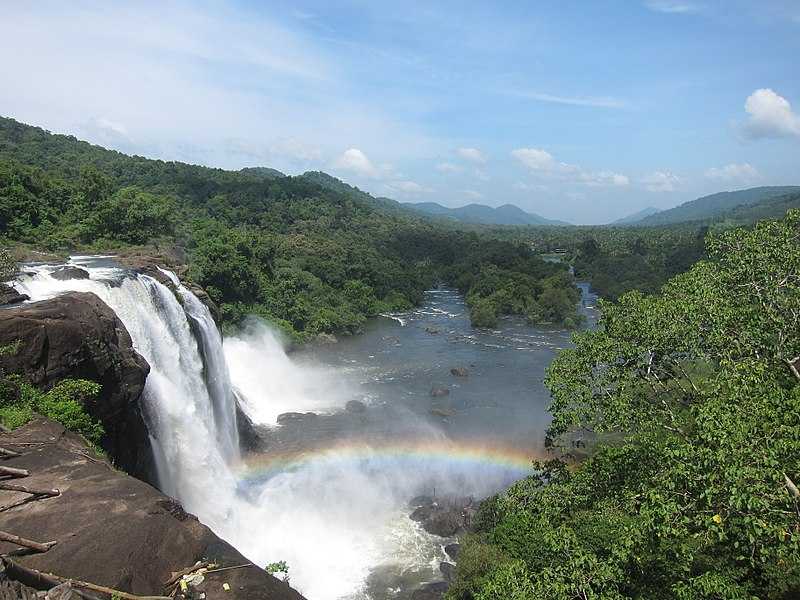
x=714 y=206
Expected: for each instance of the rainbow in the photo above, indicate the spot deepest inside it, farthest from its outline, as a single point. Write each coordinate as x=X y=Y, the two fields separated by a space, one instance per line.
x=442 y=452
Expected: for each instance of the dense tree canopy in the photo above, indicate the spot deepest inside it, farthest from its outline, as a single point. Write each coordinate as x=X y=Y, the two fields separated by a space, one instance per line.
x=694 y=411
x=309 y=253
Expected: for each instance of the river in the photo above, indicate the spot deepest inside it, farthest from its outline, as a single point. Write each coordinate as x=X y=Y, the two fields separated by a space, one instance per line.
x=343 y=476
x=350 y=431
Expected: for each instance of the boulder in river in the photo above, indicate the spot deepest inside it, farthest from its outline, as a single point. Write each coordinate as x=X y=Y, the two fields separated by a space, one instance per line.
x=69 y=272
x=452 y=550
x=294 y=417
x=355 y=406
x=439 y=392
x=459 y=372
x=76 y=335
x=8 y=295
x=430 y=591
x=445 y=517
x=448 y=571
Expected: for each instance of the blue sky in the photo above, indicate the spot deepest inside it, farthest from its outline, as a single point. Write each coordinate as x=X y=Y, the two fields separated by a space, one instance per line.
x=577 y=110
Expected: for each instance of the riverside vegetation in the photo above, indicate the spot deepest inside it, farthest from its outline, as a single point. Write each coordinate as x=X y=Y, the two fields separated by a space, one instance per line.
x=310 y=256
x=692 y=396
x=685 y=393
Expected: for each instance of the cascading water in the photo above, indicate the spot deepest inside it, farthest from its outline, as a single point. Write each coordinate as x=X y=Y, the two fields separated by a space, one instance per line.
x=188 y=397
x=332 y=502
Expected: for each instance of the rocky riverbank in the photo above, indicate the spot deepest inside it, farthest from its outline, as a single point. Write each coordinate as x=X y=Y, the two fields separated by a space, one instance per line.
x=446 y=517
x=112 y=529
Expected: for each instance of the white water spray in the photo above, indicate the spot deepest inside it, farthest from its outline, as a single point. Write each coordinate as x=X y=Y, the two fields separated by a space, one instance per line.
x=333 y=521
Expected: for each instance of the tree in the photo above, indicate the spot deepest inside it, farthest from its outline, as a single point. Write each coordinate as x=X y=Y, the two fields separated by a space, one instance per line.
x=694 y=415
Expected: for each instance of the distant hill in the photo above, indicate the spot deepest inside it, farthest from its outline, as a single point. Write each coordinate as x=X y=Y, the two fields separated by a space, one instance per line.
x=265 y=172
x=715 y=206
x=480 y=214
x=337 y=185
x=637 y=216
x=772 y=208
x=508 y=214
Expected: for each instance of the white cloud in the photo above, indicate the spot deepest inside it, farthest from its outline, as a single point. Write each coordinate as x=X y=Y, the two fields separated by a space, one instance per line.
x=472 y=155
x=473 y=194
x=447 y=167
x=210 y=83
x=482 y=175
x=407 y=187
x=537 y=159
x=744 y=172
x=661 y=181
x=545 y=166
x=530 y=187
x=355 y=161
x=771 y=115
x=593 y=101
x=674 y=7
x=604 y=178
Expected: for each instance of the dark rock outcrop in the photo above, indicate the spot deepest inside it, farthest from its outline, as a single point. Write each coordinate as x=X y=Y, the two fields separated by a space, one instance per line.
x=76 y=335
x=355 y=406
x=69 y=272
x=445 y=517
x=113 y=529
x=459 y=372
x=430 y=591
x=448 y=571
x=8 y=295
x=452 y=551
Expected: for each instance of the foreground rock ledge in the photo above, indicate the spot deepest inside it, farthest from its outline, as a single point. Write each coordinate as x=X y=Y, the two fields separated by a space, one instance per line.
x=113 y=529
x=76 y=335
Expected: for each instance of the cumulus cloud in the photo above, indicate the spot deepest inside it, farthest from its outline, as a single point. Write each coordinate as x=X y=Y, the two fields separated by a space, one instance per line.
x=673 y=7
x=661 y=181
x=355 y=161
x=744 y=172
x=545 y=166
x=472 y=155
x=447 y=167
x=770 y=115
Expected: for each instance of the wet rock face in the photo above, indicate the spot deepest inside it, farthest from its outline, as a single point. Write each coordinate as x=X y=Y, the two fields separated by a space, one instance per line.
x=445 y=517
x=452 y=551
x=113 y=529
x=459 y=372
x=76 y=335
x=69 y=272
x=430 y=591
x=8 y=295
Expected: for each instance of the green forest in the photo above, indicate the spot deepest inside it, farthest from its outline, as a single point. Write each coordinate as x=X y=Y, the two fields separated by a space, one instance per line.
x=309 y=256
x=675 y=437
x=689 y=401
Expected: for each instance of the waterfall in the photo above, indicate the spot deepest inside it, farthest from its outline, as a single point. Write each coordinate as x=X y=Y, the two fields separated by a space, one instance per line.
x=188 y=401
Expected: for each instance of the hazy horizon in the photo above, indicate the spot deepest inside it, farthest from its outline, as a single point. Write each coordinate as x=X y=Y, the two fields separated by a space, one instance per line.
x=583 y=113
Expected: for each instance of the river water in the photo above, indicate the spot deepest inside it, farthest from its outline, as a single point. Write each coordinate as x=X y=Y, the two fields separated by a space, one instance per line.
x=351 y=431
x=414 y=428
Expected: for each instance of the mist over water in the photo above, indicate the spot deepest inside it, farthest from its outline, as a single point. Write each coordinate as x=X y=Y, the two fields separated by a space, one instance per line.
x=330 y=494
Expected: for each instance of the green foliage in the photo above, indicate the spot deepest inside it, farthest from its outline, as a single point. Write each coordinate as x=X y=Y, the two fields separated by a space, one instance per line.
x=63 y=403
x=696 y=420
x=310 y=254
x=277 y=567
x=8 y=266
